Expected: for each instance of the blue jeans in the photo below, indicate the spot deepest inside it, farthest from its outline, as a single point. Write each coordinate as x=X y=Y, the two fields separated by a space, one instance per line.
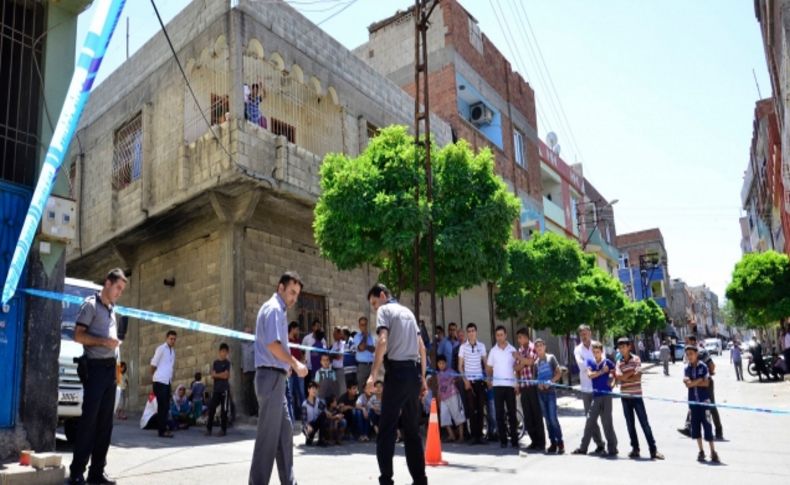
x=548 y=406
x=361 y=425
x=635 y=405
x=296 y=385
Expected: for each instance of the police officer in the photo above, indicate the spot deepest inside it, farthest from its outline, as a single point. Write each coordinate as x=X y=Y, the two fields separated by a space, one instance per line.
x=96 y=329
x=402 y=351
x=273 y=360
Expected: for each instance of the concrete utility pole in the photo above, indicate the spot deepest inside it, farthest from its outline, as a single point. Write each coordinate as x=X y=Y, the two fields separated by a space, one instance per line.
x=422 y=124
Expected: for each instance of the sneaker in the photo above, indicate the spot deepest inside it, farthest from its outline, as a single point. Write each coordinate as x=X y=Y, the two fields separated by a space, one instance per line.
x=634 y=453
x=101 y=480
x=701 y=457
x=76 y=480
x=560 y=448
x=552 y=449
x=579 y=451
x=655 y=455
x=714 y=457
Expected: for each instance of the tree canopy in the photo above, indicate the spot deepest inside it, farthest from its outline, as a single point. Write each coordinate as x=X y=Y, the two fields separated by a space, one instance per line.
x=760 y=288
x=367 y=212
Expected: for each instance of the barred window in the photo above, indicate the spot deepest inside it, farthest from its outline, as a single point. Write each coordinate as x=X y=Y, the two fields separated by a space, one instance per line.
x=127 y=157
x=284 y=129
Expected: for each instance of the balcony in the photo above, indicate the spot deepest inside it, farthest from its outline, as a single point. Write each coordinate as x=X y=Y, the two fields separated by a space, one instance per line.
x=554 y=212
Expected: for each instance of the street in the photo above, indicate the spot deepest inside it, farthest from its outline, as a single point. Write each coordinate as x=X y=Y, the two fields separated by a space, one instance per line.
x=755 y=448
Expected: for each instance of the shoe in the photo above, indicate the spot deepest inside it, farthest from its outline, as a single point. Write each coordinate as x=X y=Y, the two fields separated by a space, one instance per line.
x=720 y=437
x=102 y=480
x=611 y=454
x=503 y=445
x=599 y=450
x=322 y=444
x=560 y=449
x=76 y=480
x=655 y=455
x=579 y=451
x=552 y=449
x=478 y=441
x=634 y=454
x=685 y=431
x=701 y=457
x=714 y=457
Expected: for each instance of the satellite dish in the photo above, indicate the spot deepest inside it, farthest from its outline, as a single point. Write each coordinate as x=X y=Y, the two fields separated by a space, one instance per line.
x=556 y=149
x=551 y=139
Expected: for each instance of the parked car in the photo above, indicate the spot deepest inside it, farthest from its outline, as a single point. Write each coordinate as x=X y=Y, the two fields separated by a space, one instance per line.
x=713 y=346
x=69 y=385
x=656 y=354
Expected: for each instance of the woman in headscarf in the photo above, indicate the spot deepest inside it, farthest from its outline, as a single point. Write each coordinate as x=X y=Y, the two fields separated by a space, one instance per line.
x=180 y=407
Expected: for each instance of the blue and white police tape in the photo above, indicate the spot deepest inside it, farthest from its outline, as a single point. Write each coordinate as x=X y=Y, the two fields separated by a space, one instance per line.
x=99 y=33
x=739 y=407
x=165 y=319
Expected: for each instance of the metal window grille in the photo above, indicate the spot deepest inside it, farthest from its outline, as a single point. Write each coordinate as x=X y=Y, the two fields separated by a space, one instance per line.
x=21 y=46
x=209 y=76
x=127 y=157
x=290 y=105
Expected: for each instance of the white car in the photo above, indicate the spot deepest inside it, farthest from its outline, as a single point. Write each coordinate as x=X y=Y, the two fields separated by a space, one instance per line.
x=713 y=346
x=69 y=385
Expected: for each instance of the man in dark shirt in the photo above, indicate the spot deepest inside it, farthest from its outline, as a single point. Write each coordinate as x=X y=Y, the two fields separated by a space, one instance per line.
x=697 y=378
x=600 y=370
x=348 y=404
x=704 y=357
x=220 y=372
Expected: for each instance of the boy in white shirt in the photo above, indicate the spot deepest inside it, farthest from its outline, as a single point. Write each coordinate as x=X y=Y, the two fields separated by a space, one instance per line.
x=501 y=365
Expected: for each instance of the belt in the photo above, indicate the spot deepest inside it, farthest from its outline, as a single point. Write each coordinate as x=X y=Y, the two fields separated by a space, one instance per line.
x=108 y=361
x=276 y=369
x=364 y=363
x=401 y=363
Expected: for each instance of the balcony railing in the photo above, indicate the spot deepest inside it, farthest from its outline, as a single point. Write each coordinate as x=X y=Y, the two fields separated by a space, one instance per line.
x=553 y=212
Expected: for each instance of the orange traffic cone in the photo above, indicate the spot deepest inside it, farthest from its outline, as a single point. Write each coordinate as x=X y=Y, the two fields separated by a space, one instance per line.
x=433 y=449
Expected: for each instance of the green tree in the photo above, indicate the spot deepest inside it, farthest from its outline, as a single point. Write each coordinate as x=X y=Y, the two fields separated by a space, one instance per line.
x=760 y=288
x=648 y=317
x=599 y=301
x=367 y=212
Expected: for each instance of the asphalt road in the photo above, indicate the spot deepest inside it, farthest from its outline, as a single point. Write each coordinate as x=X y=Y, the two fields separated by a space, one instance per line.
x=756 y=448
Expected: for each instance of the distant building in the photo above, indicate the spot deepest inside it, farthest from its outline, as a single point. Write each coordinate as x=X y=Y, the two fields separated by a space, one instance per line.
x=597 y=229
x=644 y=265
x=706 y=311
x=681 y=308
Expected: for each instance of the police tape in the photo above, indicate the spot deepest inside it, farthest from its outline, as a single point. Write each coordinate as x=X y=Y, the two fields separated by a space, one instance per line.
x=99 y=33
x=185 y=323
x=165 y=319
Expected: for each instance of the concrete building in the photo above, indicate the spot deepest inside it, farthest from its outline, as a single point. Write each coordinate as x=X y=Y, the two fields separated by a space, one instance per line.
x=206 y=225
x=562 y=188
x=474 y=87
x=597 y=230
x=37 y=41
x=644 y=265
x=706 y=311
x=681 y=308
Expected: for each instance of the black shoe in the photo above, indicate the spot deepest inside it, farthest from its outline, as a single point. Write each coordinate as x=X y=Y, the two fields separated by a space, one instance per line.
x=478 y=441
x=634 y=453
x=655 y=455
x=611 y=454
x=503 y=445
x=685 y=431
x=76 y=480
x=322 y=443
x=552 y=449
x=714 y=457
x=599 y=450
x=701 y=457
x=102 y=480
x=720 y=437
x=579 y=451
x=560 y=449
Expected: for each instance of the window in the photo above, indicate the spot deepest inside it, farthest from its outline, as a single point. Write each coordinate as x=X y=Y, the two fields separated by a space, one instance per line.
x=623 y=261
x=127 y=156
x=220 y=106
x=373 y=130
x=518 y=147
x=284 y=129
x=309 y=308
x=475 y=36
x=657 y=289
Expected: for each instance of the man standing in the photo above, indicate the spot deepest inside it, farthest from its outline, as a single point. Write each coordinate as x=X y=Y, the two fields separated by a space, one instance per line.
x=273 y=360
x=448 y=344
x=500 y=365
x=736 y=359
x=364 y=345
x=162 y=365
x=704 y=357
x=97 y=331
x=312 y=340
x=786 y=346
x=530 y=402
x=338 y=351
x=471 y=359
x=663 y=355
x=404 y=381
x=629 y=375
x=583 y=353
x=248 y=374
x=295 y=383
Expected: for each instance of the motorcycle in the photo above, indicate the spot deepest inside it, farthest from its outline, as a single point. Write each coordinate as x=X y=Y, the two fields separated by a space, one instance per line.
x=774 y=367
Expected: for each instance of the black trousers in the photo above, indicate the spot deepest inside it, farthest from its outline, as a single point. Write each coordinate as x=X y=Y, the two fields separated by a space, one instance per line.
x=401 y=398
x=533 y=416
x=218 y=399
x=714 y=411
x=162 y=393
x=505 y=397
x=477 y=405
x=248 y=389
x=94 y=429
x=319 y=427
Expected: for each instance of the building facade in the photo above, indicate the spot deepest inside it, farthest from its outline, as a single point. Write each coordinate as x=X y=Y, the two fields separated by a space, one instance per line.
x=597 y=230
x=206 y=218
x=681 y=308
x=644 y=265
x=706 y=311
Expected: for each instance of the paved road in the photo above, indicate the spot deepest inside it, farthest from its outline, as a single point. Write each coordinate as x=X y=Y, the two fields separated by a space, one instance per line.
x=756 y=448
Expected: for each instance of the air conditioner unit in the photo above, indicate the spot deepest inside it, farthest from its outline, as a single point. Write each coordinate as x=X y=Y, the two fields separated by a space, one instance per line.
x=480 y=114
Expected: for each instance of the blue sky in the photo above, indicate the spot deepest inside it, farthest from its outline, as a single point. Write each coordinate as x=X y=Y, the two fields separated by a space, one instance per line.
x=658 y=96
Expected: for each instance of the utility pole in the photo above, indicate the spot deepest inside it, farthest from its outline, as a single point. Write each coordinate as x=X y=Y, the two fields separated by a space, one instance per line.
x=422 y=125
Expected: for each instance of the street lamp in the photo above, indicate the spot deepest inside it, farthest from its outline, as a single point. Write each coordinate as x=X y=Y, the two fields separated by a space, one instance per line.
x=595 y=220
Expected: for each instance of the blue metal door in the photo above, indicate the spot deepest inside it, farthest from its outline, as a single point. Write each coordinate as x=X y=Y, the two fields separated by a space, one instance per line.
x=14 y=201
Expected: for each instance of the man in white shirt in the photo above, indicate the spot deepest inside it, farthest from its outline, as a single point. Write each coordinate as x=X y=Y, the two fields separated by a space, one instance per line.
x=162 y=365
x=310 y=340
x=501 y=365
x=582 y=354
x=471 y=359
x=338 y=348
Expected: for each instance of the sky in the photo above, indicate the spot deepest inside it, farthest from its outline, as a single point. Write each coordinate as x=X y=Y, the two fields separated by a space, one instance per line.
x=655 y=99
